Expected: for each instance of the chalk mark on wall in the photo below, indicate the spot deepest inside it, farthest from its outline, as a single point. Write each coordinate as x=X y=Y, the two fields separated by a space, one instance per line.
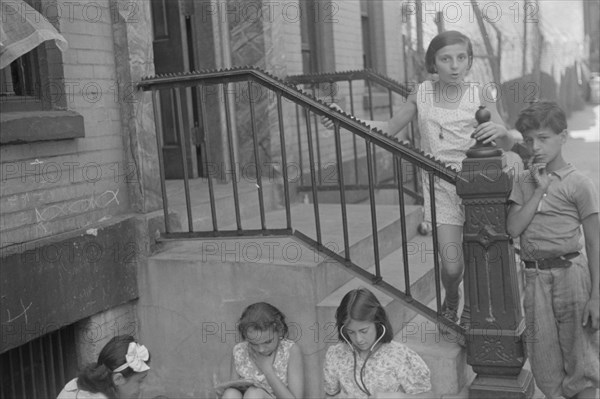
x=22 y=314
x=75 y=207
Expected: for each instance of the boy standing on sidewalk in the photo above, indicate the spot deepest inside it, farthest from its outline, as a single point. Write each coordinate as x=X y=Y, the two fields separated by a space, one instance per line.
x=549 y=204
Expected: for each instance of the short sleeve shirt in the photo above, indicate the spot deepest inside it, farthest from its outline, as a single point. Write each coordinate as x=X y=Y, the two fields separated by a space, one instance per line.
x=392 y=368
x=71 y=391
x=555 y=227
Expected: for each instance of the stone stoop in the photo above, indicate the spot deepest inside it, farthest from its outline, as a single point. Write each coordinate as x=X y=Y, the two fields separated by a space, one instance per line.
x=360 y=234
x=193 y=292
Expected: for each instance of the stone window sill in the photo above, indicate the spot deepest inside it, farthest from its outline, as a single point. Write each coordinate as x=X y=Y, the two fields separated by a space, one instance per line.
x=30 y=126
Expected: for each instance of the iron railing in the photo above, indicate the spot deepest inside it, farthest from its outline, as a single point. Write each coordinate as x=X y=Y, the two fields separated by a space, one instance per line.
x=307 y=106
x=339 y=86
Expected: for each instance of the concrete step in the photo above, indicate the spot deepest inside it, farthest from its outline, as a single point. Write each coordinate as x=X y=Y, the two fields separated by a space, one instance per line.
x=203 y=285
x=360 y=234
x=224 y=202
x=447 y=360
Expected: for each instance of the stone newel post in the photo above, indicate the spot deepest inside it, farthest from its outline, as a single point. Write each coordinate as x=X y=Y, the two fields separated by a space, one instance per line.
x=495 y=347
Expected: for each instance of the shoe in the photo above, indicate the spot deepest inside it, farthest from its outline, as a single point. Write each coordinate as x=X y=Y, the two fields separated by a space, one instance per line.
x=465 y=320
x=449 y=313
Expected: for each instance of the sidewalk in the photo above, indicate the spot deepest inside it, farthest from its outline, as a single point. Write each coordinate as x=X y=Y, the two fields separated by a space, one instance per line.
x=583 y=147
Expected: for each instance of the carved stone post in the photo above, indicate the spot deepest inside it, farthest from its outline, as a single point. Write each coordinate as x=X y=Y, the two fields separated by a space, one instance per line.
x=495 y=347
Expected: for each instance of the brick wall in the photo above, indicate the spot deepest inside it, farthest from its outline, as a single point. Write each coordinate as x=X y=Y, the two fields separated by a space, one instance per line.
x=58 y=186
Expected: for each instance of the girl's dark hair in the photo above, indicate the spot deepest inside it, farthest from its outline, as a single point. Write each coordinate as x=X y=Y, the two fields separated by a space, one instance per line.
x=444 y=39
x=97 y=377
x=542 y=115
x=262 y=316
x=362 y=305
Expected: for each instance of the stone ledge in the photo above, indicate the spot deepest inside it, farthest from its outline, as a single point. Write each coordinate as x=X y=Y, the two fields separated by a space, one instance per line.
x=31 y=126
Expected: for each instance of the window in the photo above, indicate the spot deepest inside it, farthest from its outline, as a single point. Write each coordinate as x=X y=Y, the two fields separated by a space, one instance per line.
x=21 y=77
x=30 y=108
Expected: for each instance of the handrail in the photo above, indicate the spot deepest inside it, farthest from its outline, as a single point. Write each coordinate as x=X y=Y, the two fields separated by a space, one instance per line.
x=402 y=148
x=366 y=74
x=370 y=77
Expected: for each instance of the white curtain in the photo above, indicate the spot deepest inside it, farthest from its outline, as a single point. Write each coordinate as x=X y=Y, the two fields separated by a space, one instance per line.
x=22 y=29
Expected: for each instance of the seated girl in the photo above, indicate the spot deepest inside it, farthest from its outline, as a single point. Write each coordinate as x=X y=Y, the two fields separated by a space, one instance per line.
x=119 y=372
x=367 y=363
x=269 y=363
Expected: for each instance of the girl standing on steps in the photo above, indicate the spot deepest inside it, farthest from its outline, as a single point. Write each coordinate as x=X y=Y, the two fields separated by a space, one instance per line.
x=367 y=363
x=446 y=109
x=266 y=359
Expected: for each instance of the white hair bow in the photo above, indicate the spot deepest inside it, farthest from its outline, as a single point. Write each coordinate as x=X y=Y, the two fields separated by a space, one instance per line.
x=137 y=356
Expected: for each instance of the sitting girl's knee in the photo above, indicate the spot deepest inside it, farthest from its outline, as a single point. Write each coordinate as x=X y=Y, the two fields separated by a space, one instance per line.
x=256 y=393
x=231 y=393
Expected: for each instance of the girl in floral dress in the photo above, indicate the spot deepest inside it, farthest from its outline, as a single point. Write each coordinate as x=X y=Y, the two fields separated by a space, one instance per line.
x=267 y=359
x=367 y=363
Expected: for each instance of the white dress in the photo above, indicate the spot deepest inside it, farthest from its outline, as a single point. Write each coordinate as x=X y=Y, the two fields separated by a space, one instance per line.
x=446 y=134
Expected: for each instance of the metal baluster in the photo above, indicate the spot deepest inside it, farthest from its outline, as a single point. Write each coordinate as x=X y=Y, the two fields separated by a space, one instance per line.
x=261 y=202
x=177 y=93
x=436 y=261
x=319 y=163
x=286 y=184
x=399 y=173
x=232 y=159
x=354 y=143
x=373 y=211
x=340 y=171
x=313 y=177
x=372 y=117
x=211 y=190
x=161 y=162
x=299 y=145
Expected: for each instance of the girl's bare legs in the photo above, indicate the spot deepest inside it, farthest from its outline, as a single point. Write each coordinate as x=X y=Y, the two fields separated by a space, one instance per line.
x=589 y=393
x=256 y=393
x=450 y=249
x=231 y=393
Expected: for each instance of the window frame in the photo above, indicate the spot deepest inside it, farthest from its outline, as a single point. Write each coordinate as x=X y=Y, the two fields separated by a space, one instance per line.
x=25 y=119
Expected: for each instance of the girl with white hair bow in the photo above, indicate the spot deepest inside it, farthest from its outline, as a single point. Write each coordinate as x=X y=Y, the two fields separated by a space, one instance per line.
x=118 y=374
